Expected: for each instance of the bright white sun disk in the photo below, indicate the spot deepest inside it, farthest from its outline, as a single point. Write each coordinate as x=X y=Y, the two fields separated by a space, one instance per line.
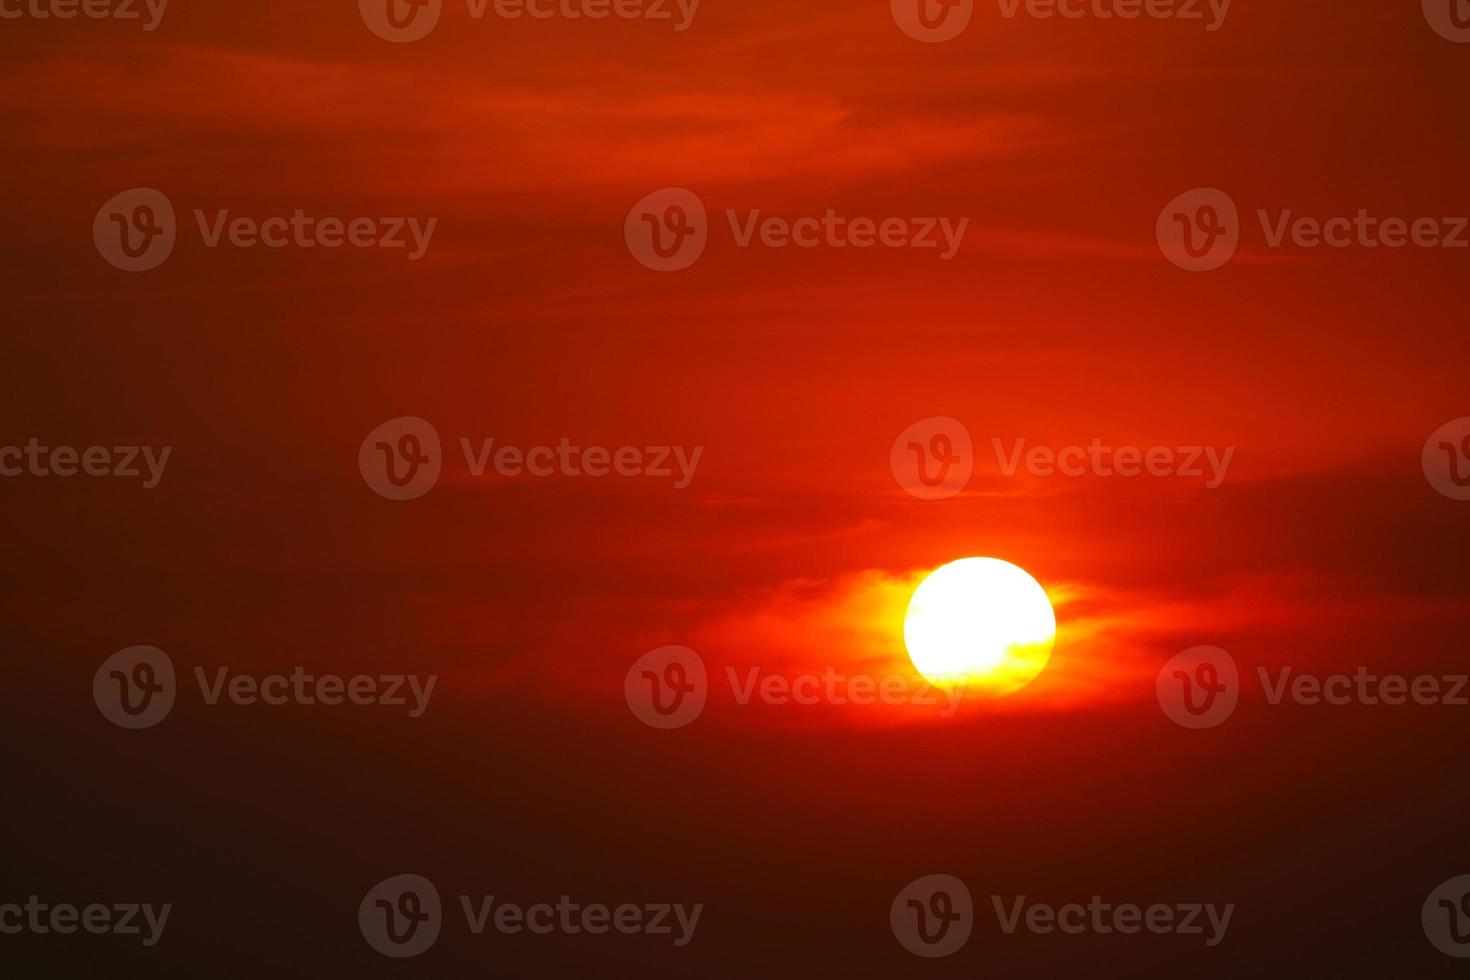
x=980 y=621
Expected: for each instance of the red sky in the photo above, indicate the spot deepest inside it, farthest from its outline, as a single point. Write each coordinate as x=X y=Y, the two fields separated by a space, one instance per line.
x=529 y=321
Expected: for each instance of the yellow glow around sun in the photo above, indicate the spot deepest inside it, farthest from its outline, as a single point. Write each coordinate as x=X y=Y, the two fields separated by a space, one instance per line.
x=981 y=622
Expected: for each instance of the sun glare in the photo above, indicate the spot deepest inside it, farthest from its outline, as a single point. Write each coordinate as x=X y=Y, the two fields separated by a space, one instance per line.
x=981 y=622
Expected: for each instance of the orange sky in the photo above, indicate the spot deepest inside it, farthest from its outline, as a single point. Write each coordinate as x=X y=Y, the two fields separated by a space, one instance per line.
x=528 y=320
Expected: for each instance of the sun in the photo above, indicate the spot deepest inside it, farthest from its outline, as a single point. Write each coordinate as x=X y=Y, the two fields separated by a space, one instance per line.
x=981 y=622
